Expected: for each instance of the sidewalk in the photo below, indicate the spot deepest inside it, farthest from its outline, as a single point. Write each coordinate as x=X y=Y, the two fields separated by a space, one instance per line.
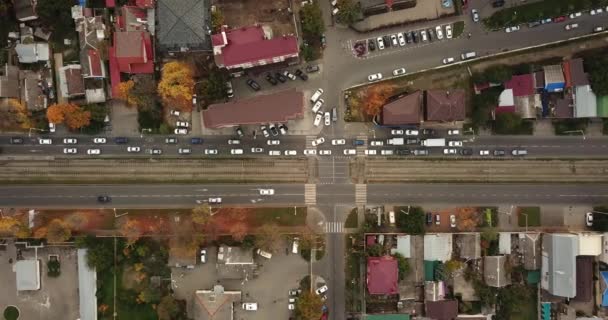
x=423 y=11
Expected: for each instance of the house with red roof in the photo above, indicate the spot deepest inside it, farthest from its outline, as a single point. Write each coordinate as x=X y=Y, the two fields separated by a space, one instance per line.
x=252 y=46
x=520 y=96
x=382 y=275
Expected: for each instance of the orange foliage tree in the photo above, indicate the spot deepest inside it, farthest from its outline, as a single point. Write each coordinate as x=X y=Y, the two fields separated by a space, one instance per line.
x=176 y=85
x=14 y=115
x=131 y=229
x=70 y=114
x=56 y=231
x=238 y=231
x=467 y=219
x=10 y=226
x=125 y=92
x=377 y=95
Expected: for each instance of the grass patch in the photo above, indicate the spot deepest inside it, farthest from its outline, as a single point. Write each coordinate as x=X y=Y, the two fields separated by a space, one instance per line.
x=458 y=28
x=489 y=216
x=533 y=214
x=286 y=217
x=570 y=126
x=352 y=272
x=352 y=221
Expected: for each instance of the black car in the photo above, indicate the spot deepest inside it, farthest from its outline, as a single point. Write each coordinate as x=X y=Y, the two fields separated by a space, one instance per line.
x=499 y=152
x=387 y=41
x=408 y=37
x=371 y=44
x=431 y=34
x=301 y=74
x=403 y=152
x=429 y=218
x=498 y=3
x=121 y=140
x=271 y=79
x=466 y=151
x=104 y=199
x=239 y=132
x=196 y=141
x=414 y=36
x=280 y=77
x=312 y=68
x=412 y=141
x=253 y=85
x=273 y=130
x=428 y=132
x=16 y=140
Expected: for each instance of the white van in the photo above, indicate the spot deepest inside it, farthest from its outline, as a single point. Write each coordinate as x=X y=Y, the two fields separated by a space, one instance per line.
x=250 y=306
x=391 y=217
x=295 y=245
x=468 y=55
x=264 y=254
x=316 y=95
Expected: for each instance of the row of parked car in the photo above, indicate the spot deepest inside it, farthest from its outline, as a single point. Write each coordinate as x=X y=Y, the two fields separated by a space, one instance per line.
x=559 y=19
x=282 y=77
x=400 y=39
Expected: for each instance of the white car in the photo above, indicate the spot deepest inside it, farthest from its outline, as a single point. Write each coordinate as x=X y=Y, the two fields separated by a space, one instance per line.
x=182 y=124
x=45 y=141
x=401 y=39
x=257 y=150
x=291 y=153
x=596 y=11
x=317 y=106
x=377 y=143
x=452 y=221
x=265 y=131
x=273 y=142
x=93 y=151
x=236 y=151
x=571 y=26
x=310 y=152
x=448 y=60
x=289 y=75
x=234 y=141
x=449 y=151
x=70 y=150
x=210 y=152
x=180 y=131
x=589 y=219
x=439 y=32
x=184 y=151
x=318 y=118
x=133 y=149
x=203 y=255
x=70 y=141
x=575 y=15
x=512 y=29
x=99 y=140
x=394 y=41
x=325 y=152
x=423 y=36
x=318 y=141
x=386 y=152
x=338 y=142
x=52 y=127
x=350 y=152
x=327 y=119
x=174 y=113
x=453 y=132
x=396 y=132
x=321 y=290
x=266 y=192
x=371 y=152
x=380 y=43
x=250 y=306
x=374 y=77
x=448 y=31
x=291 y=306
x=475 y=15
x=398 y=72
x=411 y=132
x=484 y=152
x=274 y=153
x=215 y=200
x=455 y=143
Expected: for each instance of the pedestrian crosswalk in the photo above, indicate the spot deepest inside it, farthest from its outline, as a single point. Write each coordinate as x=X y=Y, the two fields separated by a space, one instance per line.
x=309 y=140
x=360 y=194
x=334 y=227
x=310 y=194
x=361 y=148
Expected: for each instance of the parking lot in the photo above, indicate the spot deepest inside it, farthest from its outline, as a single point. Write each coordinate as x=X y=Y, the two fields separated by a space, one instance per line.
x=57 y=298
x=268 y=287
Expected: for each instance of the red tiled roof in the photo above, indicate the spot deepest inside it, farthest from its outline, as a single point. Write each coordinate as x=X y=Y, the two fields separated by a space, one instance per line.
x=75 y=84
x=217 y=40
x=441 y=310
x=404 y=110
x=133 y=51
x=445 y=105
x=278 y=107
x=114 y=71
x=370 y=240
x=144 y=3
x=522 y=85
x=382 y=275
x=504 y=109
x=94 y=64
x=574 y=73
x=110 y=3
x=248 y=45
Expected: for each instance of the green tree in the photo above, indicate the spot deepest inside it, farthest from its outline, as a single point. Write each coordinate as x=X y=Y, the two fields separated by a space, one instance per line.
x=489 y=234
x=403 y=265
x=597 y=67
x=100 y=253
x=217 y=20
x=412 y=222
x=308 y=306
x=374 y=251
x=214 y=87
x=350 y=12
x=149 y=295
x=167 y=309
x=312 y=21
x=507 y=123
x=57 y=14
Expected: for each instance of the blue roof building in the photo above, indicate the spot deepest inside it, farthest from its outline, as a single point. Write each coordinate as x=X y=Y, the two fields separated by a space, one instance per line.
x=605 y=293
x=554 y=78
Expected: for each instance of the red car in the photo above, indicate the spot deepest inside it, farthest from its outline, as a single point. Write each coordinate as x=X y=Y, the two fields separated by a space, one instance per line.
x=559 y=19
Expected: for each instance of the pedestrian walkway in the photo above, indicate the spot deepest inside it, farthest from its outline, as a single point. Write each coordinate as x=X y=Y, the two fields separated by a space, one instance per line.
x=361 y=148
x=310 y=194
x=309 y=140
x=360 y=194
x=334 y=227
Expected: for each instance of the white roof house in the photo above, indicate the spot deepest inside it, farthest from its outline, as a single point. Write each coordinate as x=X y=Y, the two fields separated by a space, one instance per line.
x=403 y=246
x=87 y=288
x=438 y=247
x=585 y=102
x=504 y=243
x=32 y=52
x=604 y=255
x=28 y=275
x=589 y=244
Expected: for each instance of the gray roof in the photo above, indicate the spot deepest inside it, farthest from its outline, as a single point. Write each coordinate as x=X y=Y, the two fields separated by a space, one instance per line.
x=558 y=274
x=87 y=288
x=24 y=10
x=529 y=243
x=28 y=274
x=32 y=52
x=468 y=245
x=234 y=255
x=183 y=23
x=9 y=82
x=404 y=246
x=585 y=102
x=494 y=272
x=216 y=304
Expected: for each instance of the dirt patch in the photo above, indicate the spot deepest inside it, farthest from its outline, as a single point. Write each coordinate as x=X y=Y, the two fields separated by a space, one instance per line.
x=273 y=13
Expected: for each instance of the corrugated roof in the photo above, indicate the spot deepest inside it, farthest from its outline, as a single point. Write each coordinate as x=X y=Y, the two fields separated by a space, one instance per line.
x=494 y=273
x=468 y=245
x=445 y=105
x=403 y=110
x=522 y=85
x=504 y=242
x=28 y=274
x=559 y=264
x=578 y=77
x=438 y=247
x=589 y=244
x=584 y=279
x=87 y=287
x=182 y=23
x=585 y=102
x=382 y=275
x=404 y=246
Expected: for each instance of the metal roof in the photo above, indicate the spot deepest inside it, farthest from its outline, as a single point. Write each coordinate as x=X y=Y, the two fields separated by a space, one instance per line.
x=28 y=275
x=87 y=287
x=585 y=102
x=559 y=264
x=438 y=247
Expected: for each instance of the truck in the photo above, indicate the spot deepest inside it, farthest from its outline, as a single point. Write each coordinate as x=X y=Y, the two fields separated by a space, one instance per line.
x=395 y=141
x=438 y=142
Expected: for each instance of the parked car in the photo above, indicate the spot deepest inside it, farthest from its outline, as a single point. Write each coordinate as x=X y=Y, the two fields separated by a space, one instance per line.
x=423 y=36
x=350 y=152
x=196 y=141
x=519 y=152
x=338 y=142
x=301 y=75
x=448 y=60
x=183 y=124
x=421 y=152
x=589 y=219
x=371 y=45
x=174 y=113
x=280 y=77
x=325 y=152
x=69 y=141
x=312 y=68
x=210 y=152
x=283 y=129
x=184 y=151
x=571 y=26
x=401 y=39
x=318 y=141
x=273 y=129
x=403 y=152
x=475 y=15
x=598 y=29
x=512 y=29
x=484 y=152
x=596 y=11
x=133 y=149
x=439 y=32
x=180 y=131
x=122 y=140
x=559 y=19
x=291 y=152
x=253 y=85
x=411 y=132
x=452 y=221
x=327 y=117
x=271 y=79
x=318 y=118
x=265 y=132
x=399 y=71
x=234 y=141
x=394 y=41
x=99 y=140
x=575 y=15
x=289 y=75
x=321 y=290
x=374 y=77
x=453 y=132
x=203 y=256
x=408 y=37
x=397 y=132
x=380 y=43
x=273 y=142
x=466 y=151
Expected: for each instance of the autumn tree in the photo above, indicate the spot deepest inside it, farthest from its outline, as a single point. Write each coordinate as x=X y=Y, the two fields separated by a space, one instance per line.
x=167 y=309
x=201 y=214
x=268 y=237
x=309 y=306
x=72 y=115
x=13 y=114
x=77 y=220
x=58 y=231
x=131 y=229
x=377 y=96
x=125 y=93
x=467 y=219
x=238 y=231
x=217 y=20
x=10 y=226
x=176 y=85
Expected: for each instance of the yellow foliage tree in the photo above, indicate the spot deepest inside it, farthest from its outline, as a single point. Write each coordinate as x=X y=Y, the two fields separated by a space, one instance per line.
x=131 y=229
x=19 y=113
x=125 y=93
x=176 y=85
x=58 y=231
x=9 y=226
x=73 y=116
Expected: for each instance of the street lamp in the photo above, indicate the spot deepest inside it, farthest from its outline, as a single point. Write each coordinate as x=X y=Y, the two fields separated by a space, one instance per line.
x=575 y=131
x=29 y=134
x=144 y=130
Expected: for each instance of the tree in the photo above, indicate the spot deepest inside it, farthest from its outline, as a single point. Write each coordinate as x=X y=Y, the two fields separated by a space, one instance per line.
x=467 y=219
x=77 y=220
x=598 y=74
x=238 y=231
x=412 y=222
x=58 y=231
x=9 y=226
x=377 y=96
x=507 y=123
x=55 y=114
x=131 y=229
x=176 y=85
x=125 y=93
x=311 y=19
x=56 y=14
x=403 y=265
x=167 y=309
x=268 y=237
x=100 y=253
x=214 y=87
x=495 y=74
x=309 y=306
x=14 y=115
x=149 y=295
x=349 y=13
x=375 y=250
x=73 y=115
x=201 y=214
x=452 y=266
x=217 y=20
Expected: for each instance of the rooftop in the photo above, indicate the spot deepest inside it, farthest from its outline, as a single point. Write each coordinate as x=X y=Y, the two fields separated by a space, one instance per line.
x=28 y=274
x=406 y=109
x=382 y=275
x=87 y=287
x=529 y=243
x=585 y=102
x=558 y=275
x=438 y=247
x=442 y=310
x=182 y=23
x=522 y=85
x=584 y=278
x=468 y=245
x=445 y=105
x=575 y=73
x=70 y=81
x=32 y=52
x=215 y=304
x=234 y=255
x=494 y=272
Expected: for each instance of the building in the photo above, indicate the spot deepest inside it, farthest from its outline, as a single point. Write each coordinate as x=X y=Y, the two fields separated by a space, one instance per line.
x=32 y=95
x=234 y=256
x=520 y=96
x=434 y=290
x=215 y=304
x=278 y=107
x=382 y=275
x=441 y=310
x=404 y=246
x=604 y=254
x=438 y=247
x=32 y=52
x=558 y=272
x=372 y=7
x=494 y=273
x=92 y=38
x=28 y=275
x=87 y=287
x=584 y=279
x=404 y=110
x=445 y=105
x=25 y=10
x=504 y=242
x=604 y=286
x=71 y=81
x=468 y=245
x=529 y=246
x=554 y=78
x=589 y=244
x=183 y=25
x=244 y=48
